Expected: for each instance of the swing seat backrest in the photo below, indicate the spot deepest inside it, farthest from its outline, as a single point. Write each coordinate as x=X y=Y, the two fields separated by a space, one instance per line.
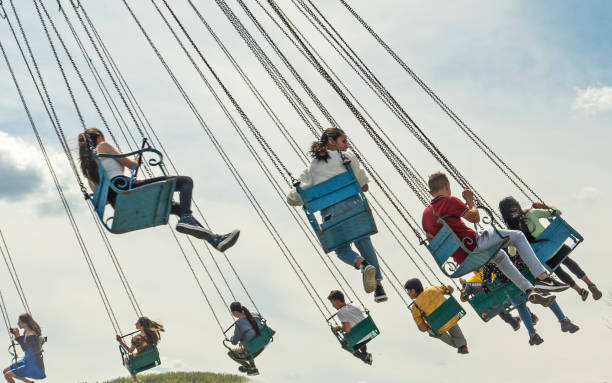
x=444 y=313
x=258 y=342
x=553 y=237
x=446 y=243
x=141 y=361
x=344 y=228
x=366 y=327
x=136 y=208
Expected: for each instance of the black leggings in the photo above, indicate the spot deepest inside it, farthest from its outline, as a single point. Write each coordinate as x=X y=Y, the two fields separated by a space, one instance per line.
x=184 y=186
x=360 y=350
x=569 y=263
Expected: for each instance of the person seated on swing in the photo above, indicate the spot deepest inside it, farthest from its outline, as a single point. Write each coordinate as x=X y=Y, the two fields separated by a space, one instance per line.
x=528 y=221
x=452 y=210
x=31 y=365
x=349 y=316
x=426 y=301
x=327 y=163
x=246 y=327
x=147 y=338
x=115 y=168
x=491 y=271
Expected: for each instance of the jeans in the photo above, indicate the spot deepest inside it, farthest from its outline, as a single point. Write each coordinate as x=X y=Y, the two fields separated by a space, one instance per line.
x=364 y=245
x=490 y=238
x=184 y=186
x=521 y=306
x=453 y=337
x=571 y=265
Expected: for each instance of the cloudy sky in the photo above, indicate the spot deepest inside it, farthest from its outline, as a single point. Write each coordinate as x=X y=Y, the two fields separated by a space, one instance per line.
x=531 y=78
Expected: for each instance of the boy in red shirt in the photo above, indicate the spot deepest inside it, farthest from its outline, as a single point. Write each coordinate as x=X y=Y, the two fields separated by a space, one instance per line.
x=452 y=210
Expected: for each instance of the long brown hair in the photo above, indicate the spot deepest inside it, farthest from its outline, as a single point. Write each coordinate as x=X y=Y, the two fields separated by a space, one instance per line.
x=318 y=149
x=237 y=307
x=31 y=323
x=89 y=165
x=151 y=329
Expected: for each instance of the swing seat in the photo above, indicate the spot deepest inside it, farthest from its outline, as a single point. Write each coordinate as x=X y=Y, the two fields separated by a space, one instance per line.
x=444 y=313
x=556 y=234
x=135 y=208
x=344 y=228
x=256 y=344
x=498 y=297
x=141 y=361
x=446 y=243
x=366 y=327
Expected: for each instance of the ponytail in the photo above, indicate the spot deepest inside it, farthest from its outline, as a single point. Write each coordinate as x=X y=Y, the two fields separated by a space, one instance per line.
x=318 y=149
x=89 y=165
x=237 y=307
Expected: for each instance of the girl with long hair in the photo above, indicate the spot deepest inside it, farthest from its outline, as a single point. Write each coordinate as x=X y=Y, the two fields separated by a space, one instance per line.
x=147 y=337
x=31 y=365
x=528 y=221
x=246 y=327
x=92 y=142
x=326 y=163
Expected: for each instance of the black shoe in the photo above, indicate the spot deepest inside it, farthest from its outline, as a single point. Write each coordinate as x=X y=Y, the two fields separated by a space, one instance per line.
x=516 y=323
x=534 y=318
x=584 y=294
x=189 y=225
x=535 y=339
x=368 y=359
x=596 y=293
x=463 y=350
x=379 y=294
x=540 y=299
x=568 y=326
x=252 y=372
x=243 y=369
x=549 y=284
x=225 y=241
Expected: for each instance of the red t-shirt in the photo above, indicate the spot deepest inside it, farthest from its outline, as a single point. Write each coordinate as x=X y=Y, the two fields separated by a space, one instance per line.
x=452 y=209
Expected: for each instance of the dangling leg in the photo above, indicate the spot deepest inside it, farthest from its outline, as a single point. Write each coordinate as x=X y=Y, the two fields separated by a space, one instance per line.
x=566 y=323
x=366 y=249
x=514 y=322
x=578 y=272
x=525 y=315
x=135 y=378
x=368 y=271
x=8 y=375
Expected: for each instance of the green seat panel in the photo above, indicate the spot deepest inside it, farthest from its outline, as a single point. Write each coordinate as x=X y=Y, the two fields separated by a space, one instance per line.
x=141 y=361
x=444 y=313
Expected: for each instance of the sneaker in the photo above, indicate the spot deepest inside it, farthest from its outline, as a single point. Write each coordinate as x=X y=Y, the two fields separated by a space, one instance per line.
x=595 y=291
x=535 y=339
x=567 y=325
x=225 y=241
x=549 y=284
x=368 y=359
x=463 y=350
x=516 y=323
x=584 y=294
x=253 y=372
x=540 y=299
x=534 y=318
x=379 y=294
x=243 y=369
x=369 y=278
x=189 y=225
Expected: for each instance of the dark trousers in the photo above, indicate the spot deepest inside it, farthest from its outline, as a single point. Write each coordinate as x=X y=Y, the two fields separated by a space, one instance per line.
x=569 y=263
x=360 y=350
x=184 y=186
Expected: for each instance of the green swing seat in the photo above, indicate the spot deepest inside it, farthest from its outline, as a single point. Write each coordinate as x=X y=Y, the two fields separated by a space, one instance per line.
x=140 y=362
x=348 y=340
x=444 y=313
x=347 y=227
x=255 y=345
x=135 y=208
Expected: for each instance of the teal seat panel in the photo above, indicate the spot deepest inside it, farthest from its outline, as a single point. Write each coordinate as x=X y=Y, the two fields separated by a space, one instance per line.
x=553 y=237
x=347 y=228
x=142 y=361
x=143 y=207
x=443 y=245
x=366 y=327
x=258 y=342
x=444 y=313
x=330 y=192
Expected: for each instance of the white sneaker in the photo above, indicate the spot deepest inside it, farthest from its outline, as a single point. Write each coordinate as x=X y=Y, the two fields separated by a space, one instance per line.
x=369 y=278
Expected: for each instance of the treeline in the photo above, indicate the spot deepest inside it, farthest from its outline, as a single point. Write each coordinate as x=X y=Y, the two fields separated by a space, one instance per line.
x=184 y=377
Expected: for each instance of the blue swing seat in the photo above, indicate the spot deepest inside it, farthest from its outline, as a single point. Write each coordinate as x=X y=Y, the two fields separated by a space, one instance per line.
x=556 y=234
x=366 y=327
x=446 y=243
x=347 y=227
x=135 y=208
x=140 y=362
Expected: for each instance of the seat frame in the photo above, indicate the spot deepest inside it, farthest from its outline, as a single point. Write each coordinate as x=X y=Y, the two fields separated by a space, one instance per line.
x=255 y=345
x=362 y=329
x=141 y=361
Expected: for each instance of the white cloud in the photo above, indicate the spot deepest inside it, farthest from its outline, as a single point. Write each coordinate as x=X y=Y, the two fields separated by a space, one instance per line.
x=593 y=100
x=19 y=166
x=587 y=194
